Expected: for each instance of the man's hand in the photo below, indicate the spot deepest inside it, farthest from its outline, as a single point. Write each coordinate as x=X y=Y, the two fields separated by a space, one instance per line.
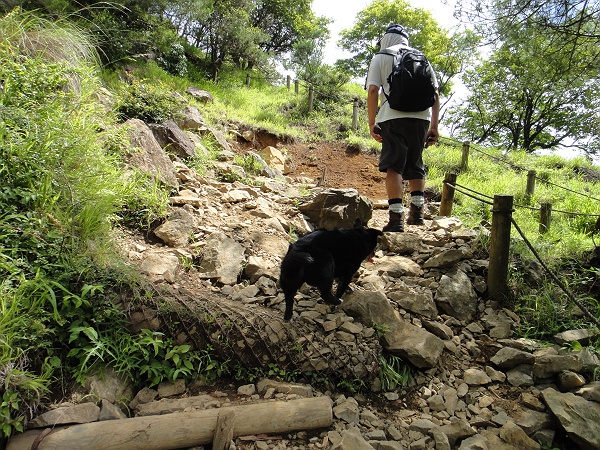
x=375 y=130
x=431 y=137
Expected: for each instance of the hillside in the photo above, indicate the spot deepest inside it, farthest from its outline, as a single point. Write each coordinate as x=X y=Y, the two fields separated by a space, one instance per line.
x=454 y=374
x=144 y=220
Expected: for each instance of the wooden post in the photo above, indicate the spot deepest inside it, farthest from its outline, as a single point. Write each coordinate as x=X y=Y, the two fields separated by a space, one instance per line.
x=355 y=115
x=185 y=429
x=499 y=247
x=311 y=98
x=530 y=188
x=224 y=430
x=447 y=194
x=545 y=217
x=296 y=84
x=464 y=163
x=247 y=80
x=287 y=82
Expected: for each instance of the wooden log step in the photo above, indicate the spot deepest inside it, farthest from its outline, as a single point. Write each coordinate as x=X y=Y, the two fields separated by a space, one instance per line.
x=180 y=430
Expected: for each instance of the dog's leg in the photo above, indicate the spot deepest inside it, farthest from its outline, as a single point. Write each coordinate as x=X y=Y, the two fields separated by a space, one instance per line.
x=325 y=285
x=329 y=297
x=342 y=287
x=289 y=305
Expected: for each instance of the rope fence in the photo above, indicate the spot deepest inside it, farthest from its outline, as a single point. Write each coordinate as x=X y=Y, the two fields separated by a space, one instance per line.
x=502 y=209
x=531 y=174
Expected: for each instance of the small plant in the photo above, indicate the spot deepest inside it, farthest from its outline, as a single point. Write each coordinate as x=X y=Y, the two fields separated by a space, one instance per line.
x=380 y=330
x=292 y=235
x=352 y=386
x=152 y=358
x=393 y=372
x=272 y=371
x=574 y=346
x=249 y=163
x=8 y=408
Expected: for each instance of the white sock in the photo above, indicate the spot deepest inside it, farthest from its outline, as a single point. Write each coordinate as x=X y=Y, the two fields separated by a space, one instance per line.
x=396 y=208
x=417 y=200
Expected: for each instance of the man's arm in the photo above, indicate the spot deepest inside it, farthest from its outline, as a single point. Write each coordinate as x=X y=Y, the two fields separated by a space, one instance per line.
x=372 y=104
x=432 y=135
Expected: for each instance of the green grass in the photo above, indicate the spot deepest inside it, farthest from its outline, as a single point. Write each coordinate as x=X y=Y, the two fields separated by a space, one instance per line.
x=497 y=175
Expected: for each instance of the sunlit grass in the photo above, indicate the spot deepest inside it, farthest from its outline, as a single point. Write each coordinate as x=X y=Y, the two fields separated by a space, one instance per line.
x=490 y=173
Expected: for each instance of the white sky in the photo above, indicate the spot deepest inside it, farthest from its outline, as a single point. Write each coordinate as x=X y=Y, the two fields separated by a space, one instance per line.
x=343 y=13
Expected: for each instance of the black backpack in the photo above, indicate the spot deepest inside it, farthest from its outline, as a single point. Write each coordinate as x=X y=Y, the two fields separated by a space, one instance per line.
x=411 y=87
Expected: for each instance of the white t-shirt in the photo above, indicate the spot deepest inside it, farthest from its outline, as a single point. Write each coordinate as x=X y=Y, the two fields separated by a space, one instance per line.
x=379 y=70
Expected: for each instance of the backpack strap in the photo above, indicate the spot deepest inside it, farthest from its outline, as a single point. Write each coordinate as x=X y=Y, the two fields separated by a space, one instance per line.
x=389 y=52
x=386 y=51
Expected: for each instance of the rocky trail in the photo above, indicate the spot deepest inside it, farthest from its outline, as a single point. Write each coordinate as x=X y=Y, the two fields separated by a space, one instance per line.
x=214 y=263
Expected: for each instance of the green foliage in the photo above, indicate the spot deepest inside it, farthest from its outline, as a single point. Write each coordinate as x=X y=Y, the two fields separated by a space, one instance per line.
x=249 y=163
x=10 y=404
x=285 y=22
x=20 y=387
x=531 y=93
x=148 y=358
x=150 y=102
x=270 y=370
x=380 y=330
x=351 y=386
x=174 y=60
x=63 y=185
x=393 y=372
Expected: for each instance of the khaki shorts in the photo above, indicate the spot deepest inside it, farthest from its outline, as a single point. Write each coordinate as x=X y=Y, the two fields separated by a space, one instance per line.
x=402 y=148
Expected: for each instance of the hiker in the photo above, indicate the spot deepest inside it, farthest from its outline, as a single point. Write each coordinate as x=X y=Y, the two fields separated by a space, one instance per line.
x=403 y=133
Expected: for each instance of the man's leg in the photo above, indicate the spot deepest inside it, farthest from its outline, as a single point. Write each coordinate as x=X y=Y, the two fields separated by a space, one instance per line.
x=394 y=189
x=417 y=200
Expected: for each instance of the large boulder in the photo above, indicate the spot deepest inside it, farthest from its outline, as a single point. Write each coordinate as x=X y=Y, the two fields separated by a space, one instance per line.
x=579 y=417
x=415 y=344
x=173 y=139
x=147 y=155
x=222 y=259
x=337 y=208
x=456 y=296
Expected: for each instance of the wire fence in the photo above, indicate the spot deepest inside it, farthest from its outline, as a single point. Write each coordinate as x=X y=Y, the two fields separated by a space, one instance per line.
x=486 y=199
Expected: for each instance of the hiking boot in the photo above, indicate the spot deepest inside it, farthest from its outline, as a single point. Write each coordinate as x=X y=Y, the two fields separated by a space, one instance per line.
x=396 y=223
x=415 y=215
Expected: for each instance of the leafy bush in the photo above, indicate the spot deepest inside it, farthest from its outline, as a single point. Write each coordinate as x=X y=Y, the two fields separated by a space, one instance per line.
x=174 y=60
x=61 y=184
x=149 y=102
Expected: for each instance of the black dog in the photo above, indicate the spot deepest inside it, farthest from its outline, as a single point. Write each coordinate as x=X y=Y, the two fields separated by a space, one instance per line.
x=322 y=256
